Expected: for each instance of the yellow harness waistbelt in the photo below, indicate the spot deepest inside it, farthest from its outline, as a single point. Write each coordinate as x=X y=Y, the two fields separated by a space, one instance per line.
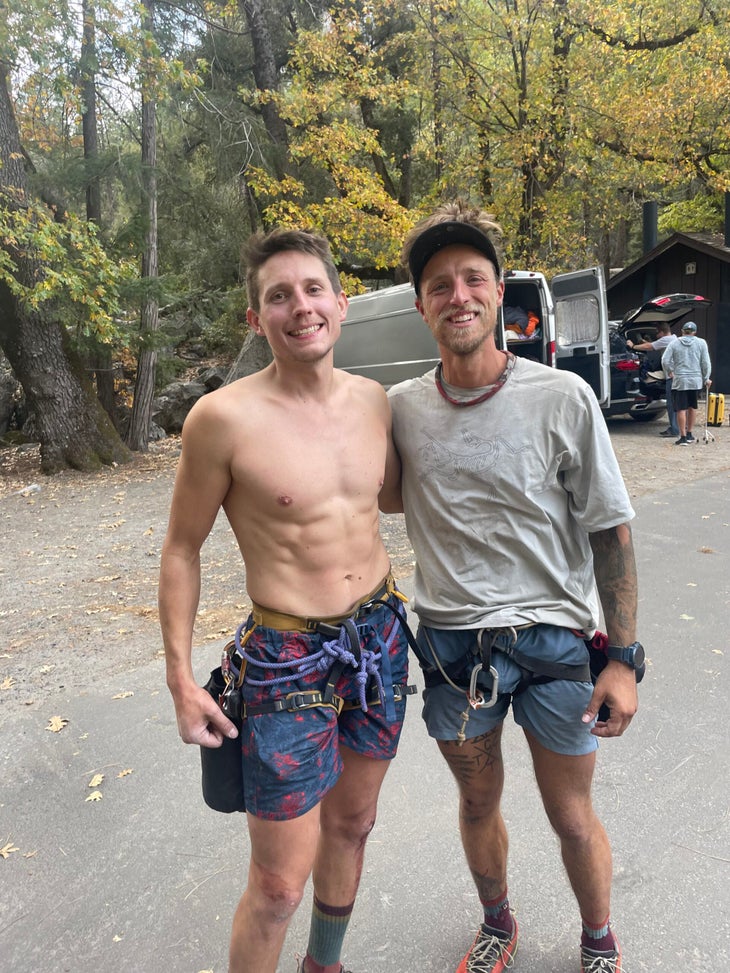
x=283 y=622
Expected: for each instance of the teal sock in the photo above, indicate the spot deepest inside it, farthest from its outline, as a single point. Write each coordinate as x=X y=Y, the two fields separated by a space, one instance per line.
x=326 y=935
x=498 y=915
x=599 y=937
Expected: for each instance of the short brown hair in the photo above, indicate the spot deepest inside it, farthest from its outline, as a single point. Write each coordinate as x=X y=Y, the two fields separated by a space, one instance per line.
x=262 y=246
x=461 y=222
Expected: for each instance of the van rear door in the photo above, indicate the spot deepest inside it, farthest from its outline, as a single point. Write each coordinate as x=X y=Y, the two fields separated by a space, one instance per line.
x=581 y=328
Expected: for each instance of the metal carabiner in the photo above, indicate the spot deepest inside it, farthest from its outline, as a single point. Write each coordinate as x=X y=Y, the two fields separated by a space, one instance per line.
x=475 y=696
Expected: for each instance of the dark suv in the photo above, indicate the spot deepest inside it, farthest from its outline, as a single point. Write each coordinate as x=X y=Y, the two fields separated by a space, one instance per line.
x=637 y=326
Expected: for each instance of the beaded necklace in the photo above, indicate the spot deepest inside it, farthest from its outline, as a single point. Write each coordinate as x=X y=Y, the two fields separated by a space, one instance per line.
x=492 y=390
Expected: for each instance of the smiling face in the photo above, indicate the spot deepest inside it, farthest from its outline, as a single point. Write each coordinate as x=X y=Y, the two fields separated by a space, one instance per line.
x=299 y=314
x=459 y=298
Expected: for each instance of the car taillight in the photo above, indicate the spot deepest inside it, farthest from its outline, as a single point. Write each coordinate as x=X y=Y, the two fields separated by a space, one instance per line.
x=627 y=365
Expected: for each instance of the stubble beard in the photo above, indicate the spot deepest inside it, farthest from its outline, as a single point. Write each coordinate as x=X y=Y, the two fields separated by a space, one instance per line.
x=464 y=341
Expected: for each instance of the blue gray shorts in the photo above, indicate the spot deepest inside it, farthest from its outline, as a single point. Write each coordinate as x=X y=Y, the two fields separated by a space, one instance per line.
x=552 y=711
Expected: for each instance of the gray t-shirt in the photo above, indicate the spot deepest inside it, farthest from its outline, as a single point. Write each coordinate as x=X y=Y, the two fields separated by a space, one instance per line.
x=500 y=498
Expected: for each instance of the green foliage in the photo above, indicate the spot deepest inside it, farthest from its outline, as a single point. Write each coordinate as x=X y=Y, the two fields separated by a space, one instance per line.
x=75 y=272
x=701 y=214
x=224 y=335
x=167 y=369
x=559 y=117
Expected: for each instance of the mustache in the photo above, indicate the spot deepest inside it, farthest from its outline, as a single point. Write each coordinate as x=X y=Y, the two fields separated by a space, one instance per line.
x=466 y=308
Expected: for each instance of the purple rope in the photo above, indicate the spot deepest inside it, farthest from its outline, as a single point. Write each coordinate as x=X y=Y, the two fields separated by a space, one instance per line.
x=322 y=661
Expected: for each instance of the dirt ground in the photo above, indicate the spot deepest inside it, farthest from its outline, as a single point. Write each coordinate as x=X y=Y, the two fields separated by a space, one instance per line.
x=81 y=553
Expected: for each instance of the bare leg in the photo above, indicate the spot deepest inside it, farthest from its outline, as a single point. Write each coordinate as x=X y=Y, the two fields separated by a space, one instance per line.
x=479 y=772
x=691 y=418
x=347 y=817
x=282 y=855
x=682 y=421
x=348 y=814
x=565 y=786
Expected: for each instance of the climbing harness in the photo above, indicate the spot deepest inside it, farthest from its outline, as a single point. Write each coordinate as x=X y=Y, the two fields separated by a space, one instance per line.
x=342 y=648
x=533 y=671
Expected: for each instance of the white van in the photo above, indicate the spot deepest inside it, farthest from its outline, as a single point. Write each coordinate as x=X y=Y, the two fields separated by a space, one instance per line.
x=385 y=338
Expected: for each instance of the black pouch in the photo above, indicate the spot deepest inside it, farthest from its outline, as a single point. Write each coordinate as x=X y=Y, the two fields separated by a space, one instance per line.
x=221 y=766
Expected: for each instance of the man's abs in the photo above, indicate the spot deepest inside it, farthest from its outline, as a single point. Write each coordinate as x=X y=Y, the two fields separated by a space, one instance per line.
x=316 y=569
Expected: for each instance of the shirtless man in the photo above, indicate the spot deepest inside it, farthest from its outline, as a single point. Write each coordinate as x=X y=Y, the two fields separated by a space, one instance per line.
x=296 y=456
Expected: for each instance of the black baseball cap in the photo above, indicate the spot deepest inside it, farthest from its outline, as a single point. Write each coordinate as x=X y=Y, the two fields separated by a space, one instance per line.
x=446 y=234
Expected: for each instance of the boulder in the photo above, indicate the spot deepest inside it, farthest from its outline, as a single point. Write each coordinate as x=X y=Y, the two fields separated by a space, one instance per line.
x=171 y=407
x=212 y=378
x=254 y=355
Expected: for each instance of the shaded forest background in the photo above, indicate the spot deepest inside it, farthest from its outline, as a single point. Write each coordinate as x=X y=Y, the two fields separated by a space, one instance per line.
x=141 y=143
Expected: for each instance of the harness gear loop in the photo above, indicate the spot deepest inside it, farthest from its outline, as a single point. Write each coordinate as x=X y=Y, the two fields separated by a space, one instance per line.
x=463 y=673
x=341 y=649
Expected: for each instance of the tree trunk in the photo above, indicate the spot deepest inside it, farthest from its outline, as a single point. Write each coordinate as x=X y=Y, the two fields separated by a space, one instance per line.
x=266 y=76
x=138 y=433
x=72 y=428
x=70 y=424
x=87 y=70
x=100 y=357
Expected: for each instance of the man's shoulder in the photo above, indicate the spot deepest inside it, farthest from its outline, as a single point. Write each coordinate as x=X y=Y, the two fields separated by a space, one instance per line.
x=225 y=404
x=221 y=397
x=536 y=375
x=359 y=384
x=410 y=385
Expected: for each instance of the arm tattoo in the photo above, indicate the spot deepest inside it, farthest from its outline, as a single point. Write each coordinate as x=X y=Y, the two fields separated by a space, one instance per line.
x=615 y=570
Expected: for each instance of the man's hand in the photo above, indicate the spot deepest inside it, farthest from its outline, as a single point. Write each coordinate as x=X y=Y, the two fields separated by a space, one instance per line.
x=200 y=719
x=616 y=687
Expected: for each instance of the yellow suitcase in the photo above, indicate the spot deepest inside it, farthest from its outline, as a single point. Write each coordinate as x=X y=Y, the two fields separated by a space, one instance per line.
x=715 y=409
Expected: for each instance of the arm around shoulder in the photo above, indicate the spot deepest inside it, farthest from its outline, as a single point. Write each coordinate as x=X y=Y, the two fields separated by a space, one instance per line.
x=389 y=498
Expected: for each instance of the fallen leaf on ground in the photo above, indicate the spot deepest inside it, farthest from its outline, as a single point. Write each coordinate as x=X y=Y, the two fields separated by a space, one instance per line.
x=123 y=695
x=125 y=773
x=7 y=851
x=7 y=683
x=96 y=780
x=96 y=796
x=56 y=724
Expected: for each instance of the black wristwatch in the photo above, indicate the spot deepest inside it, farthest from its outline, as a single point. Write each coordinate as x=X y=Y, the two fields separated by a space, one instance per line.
x=633 y=655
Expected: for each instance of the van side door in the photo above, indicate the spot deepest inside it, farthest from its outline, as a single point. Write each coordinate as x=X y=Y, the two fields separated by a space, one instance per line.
x=385 y=338
x=581 y=328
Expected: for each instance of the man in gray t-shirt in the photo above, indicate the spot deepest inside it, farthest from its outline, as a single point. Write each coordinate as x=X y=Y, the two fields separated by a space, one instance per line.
x=519 y=521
